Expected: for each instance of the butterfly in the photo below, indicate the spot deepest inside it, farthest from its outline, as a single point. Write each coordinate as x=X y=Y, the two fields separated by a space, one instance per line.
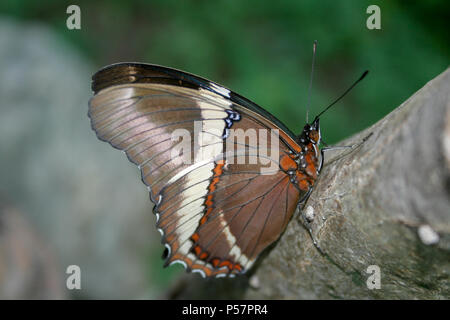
x=221 y=199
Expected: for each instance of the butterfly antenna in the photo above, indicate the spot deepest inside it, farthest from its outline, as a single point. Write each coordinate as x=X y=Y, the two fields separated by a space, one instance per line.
x=308 y=101
x=342 y=95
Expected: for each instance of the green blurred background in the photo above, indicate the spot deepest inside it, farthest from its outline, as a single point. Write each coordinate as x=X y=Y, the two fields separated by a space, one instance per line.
x=260 y=49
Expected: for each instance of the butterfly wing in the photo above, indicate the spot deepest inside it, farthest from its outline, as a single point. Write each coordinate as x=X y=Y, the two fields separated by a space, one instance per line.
x=216 y=210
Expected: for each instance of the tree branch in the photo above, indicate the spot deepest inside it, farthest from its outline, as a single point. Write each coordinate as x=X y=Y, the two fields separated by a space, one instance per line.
x=384 y=203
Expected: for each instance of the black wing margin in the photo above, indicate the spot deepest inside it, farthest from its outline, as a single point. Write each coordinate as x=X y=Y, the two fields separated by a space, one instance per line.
x=131 y=72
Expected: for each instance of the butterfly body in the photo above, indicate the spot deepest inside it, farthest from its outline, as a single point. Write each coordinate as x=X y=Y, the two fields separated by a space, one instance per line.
x=220 y=203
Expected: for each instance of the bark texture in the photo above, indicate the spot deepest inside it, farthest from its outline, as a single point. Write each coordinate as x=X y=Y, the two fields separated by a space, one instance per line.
x=384 y=203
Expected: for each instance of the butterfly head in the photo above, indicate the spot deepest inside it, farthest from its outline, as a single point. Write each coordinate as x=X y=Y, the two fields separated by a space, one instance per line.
x=311 y=133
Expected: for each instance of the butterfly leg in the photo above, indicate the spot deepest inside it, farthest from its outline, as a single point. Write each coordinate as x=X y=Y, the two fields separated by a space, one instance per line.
x=357 y=144
x=351 y=147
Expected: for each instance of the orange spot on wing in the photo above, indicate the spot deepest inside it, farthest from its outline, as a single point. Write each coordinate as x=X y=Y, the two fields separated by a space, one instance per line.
x=303 y=185
x=287 y=163
x=218 y=169
x=302 y=181
x=226 y=263
x=238 y=267
x=195 y=237
x=208 y=202
x=215 y=262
